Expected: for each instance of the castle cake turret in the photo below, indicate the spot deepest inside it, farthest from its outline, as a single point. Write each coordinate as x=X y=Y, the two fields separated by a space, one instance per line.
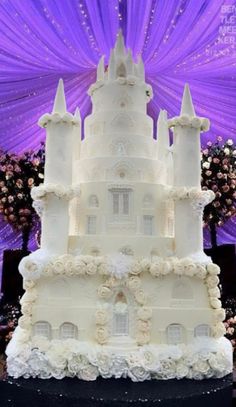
x=120 y=286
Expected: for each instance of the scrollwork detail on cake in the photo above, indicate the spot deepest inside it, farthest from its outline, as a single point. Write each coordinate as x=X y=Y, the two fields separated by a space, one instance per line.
x=39 y=193
x=199 y=199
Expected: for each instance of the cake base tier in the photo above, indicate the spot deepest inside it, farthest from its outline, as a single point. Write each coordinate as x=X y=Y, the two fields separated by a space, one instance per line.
x=116 y=393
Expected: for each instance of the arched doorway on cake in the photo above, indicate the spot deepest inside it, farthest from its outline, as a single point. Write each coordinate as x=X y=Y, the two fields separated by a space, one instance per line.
x=120 y=320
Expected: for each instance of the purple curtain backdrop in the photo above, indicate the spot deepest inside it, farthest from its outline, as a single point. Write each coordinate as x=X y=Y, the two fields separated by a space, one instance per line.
x=180 y=41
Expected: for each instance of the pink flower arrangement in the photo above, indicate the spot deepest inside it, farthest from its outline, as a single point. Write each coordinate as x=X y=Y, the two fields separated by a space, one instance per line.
x=219 y=175
x=18 y=174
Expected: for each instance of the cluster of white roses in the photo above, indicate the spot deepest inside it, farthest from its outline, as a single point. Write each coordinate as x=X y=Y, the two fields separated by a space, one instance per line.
x=130 y=80
x=39 y=193
x=23 y=330
x=191 y=121
x=144 y=316
x=32 y=266
x=105 y=291
x=58 y=118
x=102 y=319
x=44 y=359
x=212 y=281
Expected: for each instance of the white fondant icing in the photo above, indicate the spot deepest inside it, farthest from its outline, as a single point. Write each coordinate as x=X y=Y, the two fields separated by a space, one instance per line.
x=121 y=271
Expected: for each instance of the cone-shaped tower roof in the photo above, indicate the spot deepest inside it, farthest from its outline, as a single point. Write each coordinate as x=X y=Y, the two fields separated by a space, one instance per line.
x=129 y=63
x=187 y=103
x=77 y=114
x=162 y=134
x=100 y=69
x=141 y=70
x=59 y=105
x=112 y=66
x=120 y=45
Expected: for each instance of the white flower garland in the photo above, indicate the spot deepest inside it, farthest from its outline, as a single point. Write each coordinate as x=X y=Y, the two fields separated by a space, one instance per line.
x=105 y=291
x=191 y=121
x=130 y=80
x=41 y=358
x=39 y=193
x=57 y=118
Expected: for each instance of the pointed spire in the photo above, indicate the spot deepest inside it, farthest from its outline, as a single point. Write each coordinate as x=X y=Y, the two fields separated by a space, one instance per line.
x=100 y=69
x=187 y=104
x=163 y=140
x=77 y=114
x=59 y=105
x=141 y=71
x=112 y=66
x=129 y=63
x=120 y=45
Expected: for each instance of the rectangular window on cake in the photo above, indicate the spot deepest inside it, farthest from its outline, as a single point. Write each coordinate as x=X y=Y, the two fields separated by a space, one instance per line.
x=120 y=204
x=120 y=324
x=148 y=224
x=91 y=225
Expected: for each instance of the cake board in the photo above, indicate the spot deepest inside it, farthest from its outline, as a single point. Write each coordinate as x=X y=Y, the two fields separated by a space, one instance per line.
x=116 y=393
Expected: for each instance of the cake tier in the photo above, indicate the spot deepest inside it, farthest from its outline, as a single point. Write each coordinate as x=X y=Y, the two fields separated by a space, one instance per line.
x=118 y=144
x=123 y=122
x=119 y=169
x=122 y=93
x=119 y=239
x=108 y=211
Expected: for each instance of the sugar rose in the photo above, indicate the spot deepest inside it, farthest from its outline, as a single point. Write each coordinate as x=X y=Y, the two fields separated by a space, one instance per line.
x=143 y=338
x=155 y=269
x=218 y=330
x=213 y=269
x=144 y=313
x=101 y=317
x=212 y=281
x=143 y=326
x=140 y=296
x=104 y=292
x=135 y=268
x=91 y=269
x=219 y=315
x=134 y=283
x=101 y=335
x=89 y=373
x=214 y=292
x=215 y=303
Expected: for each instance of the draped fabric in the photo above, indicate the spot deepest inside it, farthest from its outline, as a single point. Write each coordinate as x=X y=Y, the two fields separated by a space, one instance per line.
x=180 y=41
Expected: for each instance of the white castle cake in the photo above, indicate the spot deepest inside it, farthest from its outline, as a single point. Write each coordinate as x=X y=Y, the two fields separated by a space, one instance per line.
x=121 y=286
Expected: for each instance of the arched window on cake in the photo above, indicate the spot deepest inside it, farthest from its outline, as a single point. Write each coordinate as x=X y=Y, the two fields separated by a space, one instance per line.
x=93 y=201
x=42 y=328
x=120 y=316
x=175 y=334
x=202 y=330
x=121 y=71
x=68 y=331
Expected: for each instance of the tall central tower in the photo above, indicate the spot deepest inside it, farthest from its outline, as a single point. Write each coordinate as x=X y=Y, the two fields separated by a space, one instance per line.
x=119 y=172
